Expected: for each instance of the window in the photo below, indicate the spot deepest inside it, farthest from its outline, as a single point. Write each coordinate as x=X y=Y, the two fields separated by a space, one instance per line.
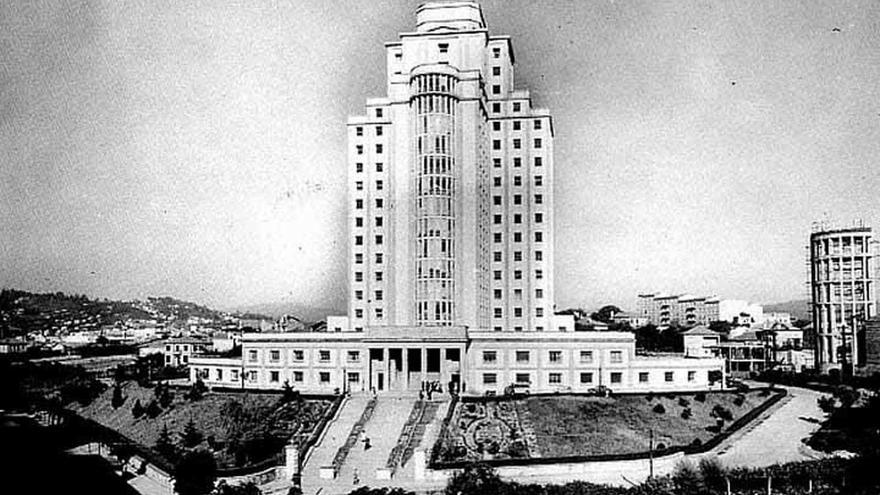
x=490 y=356
x=298 y=376
x=586 y=378
x=517 y=237
x=496 y=126
x=517 y=274
x=616 y=357
x=378 y=113
x=378 y=276
x=324 y=377
x=379 y=239
x=539 y=217
x=497 y=274
x=298 y=355
x=378 y=130
x=379 y=185
x=378 y=148
x=496 y=256
x=539 y=199
x=517 y=199
x=358 y=204
x=522 y=356
x=586 y=357
x=539 y=180
x=536 y=124
x=379 y=167
x=252 y=375
x=692 y=375
x=517 y=218
x=496 y=108
x=379 y=314
x=378 y=295
x=517 y=162
x=517 y=329
x=274 y=376
x=358 y=313
x=378 y=221
x=497 y=293
x=359 y=185
x=490 y=378
x=496 y=89
x=252 y=356
x=539 y=237
x=539 y=255
x=358 y=167
x=517 y=106
x=517 y=125
x=517 y=312
x=354 y=378
x=358 y=240
x=524 y=378
x=555 y=356
x=354 y=356
x=517 y=180
x=517 y=256
x=539 y=274
x=496 y=182
x=539 y=161
x=643 y=377
x=498 y=313
x=379 y=203
x=358 y=131
x=496 y=237
x=616 y=377
x=538 y=143
x=324 y=356
x=358 y=276
x=539 y=293
x=496 y=200
x=359 y=149
x=359 y=221
x=496 y=71
x=379 y=258
x=555 y=378
x=517 y=144
x=444 y=47
x=668 y=376
x=496 y=52
x=539 y=312
x=274 y=355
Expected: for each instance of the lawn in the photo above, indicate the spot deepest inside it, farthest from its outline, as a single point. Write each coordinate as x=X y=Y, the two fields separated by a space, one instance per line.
x=241 y=428
x=566 y=426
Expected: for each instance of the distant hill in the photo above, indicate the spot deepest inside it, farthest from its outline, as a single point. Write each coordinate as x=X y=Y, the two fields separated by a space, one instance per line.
x=301 y=311
x=799 y=309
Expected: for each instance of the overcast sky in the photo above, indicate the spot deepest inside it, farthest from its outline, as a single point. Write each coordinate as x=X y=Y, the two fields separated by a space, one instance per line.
x=197 y=149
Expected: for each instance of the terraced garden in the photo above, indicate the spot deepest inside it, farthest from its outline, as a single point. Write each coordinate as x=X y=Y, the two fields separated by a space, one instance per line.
x=577 y=426
x=241 y=429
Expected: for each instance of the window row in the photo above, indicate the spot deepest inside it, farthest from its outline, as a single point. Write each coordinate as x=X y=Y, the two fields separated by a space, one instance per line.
x=298 y=355
x=517 y=199
x=517 y=256
x=517 y=294
x=359 y=149
x=517 y=143
x=517 y=162
x=553 y=356
x=359 y=258
x=359 y=167
x=516 y=125
x=359 y=130
x=359 y=203
x=359 y=276
x=517 y=237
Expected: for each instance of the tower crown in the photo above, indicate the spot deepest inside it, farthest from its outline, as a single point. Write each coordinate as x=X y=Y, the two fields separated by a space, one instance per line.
x=449 y=16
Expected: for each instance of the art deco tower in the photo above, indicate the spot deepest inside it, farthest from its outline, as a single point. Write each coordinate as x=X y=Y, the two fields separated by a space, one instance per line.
x=451 y=200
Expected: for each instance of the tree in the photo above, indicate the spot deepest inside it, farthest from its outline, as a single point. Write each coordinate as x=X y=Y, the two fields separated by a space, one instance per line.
x=605 y=313
x=191 y=435
x=164 y=445
x=248 y=488
x=163 y=394
x=137 y=410
x=195 y=473
x=197 y=390
x=153 y=409
x=721 y=326
x=687 y=479
x=475 y=479
x=118 y=399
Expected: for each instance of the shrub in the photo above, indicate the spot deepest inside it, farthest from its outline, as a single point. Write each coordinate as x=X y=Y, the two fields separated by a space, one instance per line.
x=195 y=474
x=826 y=404
x=713 y=473
x=683 y=402
x=686 y=414
x=650 y=396
x=722 y=413
x=659 y=409
x=137 y=410
x=191 y=435
x=700 y=397
x=739 y=400
x=118 y=399
x=697 y=442
x=197 y=390
x=153 y=409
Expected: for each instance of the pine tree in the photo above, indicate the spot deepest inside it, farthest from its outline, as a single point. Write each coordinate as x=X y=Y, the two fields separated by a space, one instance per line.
x=191 y=435
x=164 y=445
x=137 y=410
x=118 y=399
x=153 y=409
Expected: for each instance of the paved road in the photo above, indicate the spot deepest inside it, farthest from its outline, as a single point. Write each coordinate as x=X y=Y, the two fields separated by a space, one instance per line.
x=777 y=438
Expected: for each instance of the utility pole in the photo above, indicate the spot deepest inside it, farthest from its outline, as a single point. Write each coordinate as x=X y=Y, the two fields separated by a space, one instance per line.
x=651 y=453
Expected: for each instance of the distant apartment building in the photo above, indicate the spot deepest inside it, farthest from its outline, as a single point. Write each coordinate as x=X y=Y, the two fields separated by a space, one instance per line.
x=688 y=310
x=843 y=285
x=179 y=351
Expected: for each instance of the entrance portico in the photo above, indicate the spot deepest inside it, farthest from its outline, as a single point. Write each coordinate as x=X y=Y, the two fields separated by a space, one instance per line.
x=407 y=358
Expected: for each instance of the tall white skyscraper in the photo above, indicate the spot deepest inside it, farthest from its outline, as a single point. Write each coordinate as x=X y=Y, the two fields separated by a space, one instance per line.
x=451 y=186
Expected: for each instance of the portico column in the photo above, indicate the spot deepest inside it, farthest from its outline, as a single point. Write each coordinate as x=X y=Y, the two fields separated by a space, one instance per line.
x=423 y=355
x=386 y=367
x=404 y=354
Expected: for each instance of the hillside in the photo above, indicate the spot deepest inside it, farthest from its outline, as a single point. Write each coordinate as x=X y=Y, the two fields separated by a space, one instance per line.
x=799 y=309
